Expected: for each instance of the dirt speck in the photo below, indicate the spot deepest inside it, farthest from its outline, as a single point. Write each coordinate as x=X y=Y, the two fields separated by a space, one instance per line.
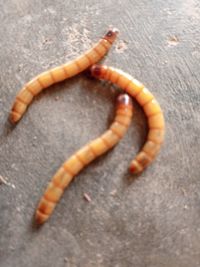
x=87 y=197
x=121 y=46
x=113 y=192
x=66 y=259
x=183 y=191
x=77 y=39
x=46 y=41
x=4 y=180
x=173 y=40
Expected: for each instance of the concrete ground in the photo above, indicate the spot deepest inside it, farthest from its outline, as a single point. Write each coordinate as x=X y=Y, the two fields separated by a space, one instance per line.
x=149 y=221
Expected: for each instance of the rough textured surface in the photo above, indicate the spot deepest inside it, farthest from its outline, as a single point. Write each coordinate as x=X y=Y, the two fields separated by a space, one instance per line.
x=152 y=221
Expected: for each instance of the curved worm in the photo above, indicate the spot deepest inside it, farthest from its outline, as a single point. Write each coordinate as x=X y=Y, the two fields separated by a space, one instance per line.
x=58 y=74
x=150 y=106
x=83 y=157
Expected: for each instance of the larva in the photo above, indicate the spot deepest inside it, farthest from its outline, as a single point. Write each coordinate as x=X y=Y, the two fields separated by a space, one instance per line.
x=150 y=106
x=83 y=157
x=58 y=74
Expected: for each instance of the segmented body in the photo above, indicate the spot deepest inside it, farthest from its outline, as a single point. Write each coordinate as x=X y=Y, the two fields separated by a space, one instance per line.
x=58 y=74
x=83 y=157
x=150 y=106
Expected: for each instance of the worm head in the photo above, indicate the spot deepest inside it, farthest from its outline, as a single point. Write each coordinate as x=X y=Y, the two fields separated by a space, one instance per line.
x=98 y=71
x=111 y=35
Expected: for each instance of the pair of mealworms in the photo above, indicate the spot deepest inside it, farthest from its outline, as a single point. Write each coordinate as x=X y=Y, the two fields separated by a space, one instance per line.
x=111 y=137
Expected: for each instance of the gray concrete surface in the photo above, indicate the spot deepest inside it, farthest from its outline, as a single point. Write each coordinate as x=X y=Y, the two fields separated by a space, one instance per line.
x=150 y=221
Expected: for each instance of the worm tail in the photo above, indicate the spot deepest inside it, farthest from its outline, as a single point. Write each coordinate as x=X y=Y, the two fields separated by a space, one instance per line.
x=83 y=157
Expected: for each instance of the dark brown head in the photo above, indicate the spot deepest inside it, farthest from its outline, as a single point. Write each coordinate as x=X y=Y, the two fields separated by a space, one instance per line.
x=124 y=99
x=98 y=71
x=111 y=35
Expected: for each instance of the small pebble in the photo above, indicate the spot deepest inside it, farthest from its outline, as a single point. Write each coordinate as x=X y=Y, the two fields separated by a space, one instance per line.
x=87 y=197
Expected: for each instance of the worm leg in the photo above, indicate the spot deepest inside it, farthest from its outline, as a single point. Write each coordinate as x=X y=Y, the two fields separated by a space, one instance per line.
x=58 y=74
x=150 y=106
x=84 y=156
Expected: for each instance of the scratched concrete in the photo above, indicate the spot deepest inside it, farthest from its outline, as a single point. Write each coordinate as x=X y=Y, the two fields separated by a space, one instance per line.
x=149 y=221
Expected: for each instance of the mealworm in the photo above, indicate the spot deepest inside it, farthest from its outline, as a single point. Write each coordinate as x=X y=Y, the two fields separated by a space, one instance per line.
x=60 y=73
x=150 y=106
x=83 y=157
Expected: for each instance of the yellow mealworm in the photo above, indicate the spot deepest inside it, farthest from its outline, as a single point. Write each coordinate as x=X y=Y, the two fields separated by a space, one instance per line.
x=150 y=106
x=58 y=74
x=83 y=157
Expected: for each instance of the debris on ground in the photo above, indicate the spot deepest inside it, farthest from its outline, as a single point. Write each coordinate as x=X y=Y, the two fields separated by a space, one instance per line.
x=66 y=259
x=173 y=40
x=77 y=38
x=5 y=181
x=113 y=192
x=87 y=197
x=46 y=40
x=121 y=46
x=184 y=191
